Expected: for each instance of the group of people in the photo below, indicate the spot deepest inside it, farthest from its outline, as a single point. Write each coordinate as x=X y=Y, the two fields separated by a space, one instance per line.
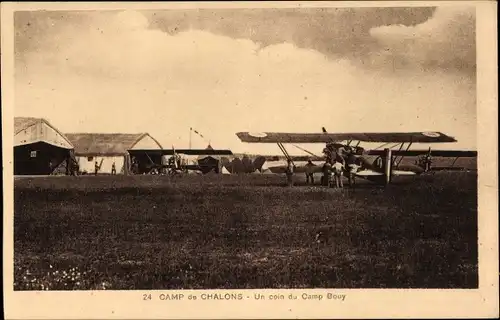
x=333 y=173
x=175 y=161
x=97 y=167
x=337 y=162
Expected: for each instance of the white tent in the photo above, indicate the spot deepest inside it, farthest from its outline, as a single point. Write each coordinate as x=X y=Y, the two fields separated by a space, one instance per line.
x=267 y=171
x=264 y=167
x=224 y=170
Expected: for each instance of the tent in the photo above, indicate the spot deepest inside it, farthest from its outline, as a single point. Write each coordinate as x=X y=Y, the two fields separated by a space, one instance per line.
x=224 y=170
x=264 y=167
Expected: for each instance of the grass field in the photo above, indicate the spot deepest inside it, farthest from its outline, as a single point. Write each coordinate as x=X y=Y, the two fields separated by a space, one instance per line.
x=152 y=232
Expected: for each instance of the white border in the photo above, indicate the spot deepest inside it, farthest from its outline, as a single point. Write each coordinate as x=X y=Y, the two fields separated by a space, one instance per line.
x=360 y=303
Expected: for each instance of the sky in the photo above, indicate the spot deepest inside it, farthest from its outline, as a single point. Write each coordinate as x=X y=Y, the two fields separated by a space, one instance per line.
x=221 y=71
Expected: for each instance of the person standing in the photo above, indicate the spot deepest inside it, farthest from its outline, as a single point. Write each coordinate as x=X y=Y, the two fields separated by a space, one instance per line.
x=327 y=174
x=113 y=168
x=310 y=172
x=96 y=168
x=338 y=168
x=76 y=168
x=51 y=169
x=178 y=161
x=352 y=168
x=289 y=173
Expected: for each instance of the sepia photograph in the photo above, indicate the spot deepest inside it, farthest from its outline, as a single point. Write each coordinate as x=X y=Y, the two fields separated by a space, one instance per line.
x=225 y=149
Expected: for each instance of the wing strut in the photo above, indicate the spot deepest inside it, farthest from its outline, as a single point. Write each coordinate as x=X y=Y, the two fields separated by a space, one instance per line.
x=309 y=152
x=401 y=159
x=396 y=157
x=282 y=148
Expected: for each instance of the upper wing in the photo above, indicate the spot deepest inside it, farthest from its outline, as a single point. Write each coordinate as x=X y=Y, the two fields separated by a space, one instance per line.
x=382 y=137
x=197 y=152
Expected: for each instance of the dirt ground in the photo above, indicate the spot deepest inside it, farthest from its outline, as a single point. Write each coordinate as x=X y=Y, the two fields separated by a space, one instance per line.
x=243 y=231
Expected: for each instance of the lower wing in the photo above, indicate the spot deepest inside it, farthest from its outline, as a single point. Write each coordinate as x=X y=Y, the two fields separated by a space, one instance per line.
x=371 y=173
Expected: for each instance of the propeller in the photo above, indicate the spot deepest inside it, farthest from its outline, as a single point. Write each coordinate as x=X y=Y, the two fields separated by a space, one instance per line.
x=429 y=157
x=331 y=140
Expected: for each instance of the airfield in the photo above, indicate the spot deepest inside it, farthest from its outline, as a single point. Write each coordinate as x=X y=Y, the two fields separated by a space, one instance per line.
x=244 y=231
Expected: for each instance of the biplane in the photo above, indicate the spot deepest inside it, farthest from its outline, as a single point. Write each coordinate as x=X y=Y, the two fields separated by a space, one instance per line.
x=388 y=161
x=150 y=161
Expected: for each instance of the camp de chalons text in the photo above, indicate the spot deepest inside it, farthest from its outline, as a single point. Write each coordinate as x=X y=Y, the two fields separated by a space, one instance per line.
x=240 y=296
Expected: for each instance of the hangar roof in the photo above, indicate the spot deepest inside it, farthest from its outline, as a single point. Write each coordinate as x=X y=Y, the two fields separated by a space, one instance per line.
x=21 y=123
x=109 y=144
x=28 y=130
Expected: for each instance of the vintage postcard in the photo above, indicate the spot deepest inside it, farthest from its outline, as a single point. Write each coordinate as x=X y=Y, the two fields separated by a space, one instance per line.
x=250 y=160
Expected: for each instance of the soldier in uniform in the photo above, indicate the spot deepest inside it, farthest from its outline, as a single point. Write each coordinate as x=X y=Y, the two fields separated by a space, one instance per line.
x=289 y=173
x=310 y=172
x=178 y=161
x=96 y=168
x=50 y=167
x=327 y=154
x=327 y=174
x=76 y=168
x=72 y=167
x=352 y=167
x=338 y=169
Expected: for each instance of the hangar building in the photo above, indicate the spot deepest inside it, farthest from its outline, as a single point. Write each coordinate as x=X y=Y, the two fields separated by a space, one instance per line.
x=39 y=148
x=109 y=148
